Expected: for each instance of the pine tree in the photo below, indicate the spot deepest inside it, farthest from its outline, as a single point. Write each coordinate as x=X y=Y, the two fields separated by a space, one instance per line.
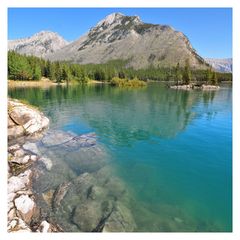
x=66 y=75
x=58 y=72
x=187 y=76
x=209 y=76
x=214 y=79
x=18 y=67
x=47 y=69
x=178 y=74
x=37 y=73
x=52 y=72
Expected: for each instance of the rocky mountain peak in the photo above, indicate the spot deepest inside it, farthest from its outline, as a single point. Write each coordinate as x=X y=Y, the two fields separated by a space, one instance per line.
x=39 y=44
x=116 y=21
x=46 y=33
x=111 y=19
x=220 y=64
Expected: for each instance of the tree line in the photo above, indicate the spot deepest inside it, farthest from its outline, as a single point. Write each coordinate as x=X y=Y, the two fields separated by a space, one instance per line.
x=22 y=67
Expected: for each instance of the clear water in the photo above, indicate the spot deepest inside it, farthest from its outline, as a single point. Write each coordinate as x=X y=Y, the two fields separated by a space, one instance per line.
x=172 y=149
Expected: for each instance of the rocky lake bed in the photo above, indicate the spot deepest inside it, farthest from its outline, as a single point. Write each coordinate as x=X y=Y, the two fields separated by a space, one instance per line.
x=46 y=194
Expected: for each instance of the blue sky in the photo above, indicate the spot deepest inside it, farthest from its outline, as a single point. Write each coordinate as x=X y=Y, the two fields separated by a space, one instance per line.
x=209 y=30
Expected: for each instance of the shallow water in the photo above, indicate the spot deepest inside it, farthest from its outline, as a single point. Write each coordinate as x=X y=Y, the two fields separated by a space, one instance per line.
x=170 y=149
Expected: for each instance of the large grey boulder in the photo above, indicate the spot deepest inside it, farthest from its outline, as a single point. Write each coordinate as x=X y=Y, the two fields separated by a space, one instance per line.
x=20 y=182
x=94 y=202
x=121 y=220
x=55 y=138
x=24 y=120
x=25 y=207
x=90 y=217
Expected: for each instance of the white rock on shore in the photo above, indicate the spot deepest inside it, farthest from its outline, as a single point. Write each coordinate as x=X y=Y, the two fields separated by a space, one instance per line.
x=210 y=87
x=24 y=120
x=17 y=225
x=193 y=86
x=20 y=182
x=185 y=87
x=25 y=206
x=21 y=160
x=45 y=227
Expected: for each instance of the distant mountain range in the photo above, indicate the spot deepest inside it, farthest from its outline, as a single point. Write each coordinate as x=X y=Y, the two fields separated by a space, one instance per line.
x=40 y=44
x=117 y=37
x=220 y=65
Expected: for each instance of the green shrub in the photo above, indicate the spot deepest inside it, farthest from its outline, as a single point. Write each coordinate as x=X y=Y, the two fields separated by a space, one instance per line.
x=123 y=82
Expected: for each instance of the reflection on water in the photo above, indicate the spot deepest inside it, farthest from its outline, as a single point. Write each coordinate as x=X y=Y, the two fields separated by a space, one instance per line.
x=168 y=150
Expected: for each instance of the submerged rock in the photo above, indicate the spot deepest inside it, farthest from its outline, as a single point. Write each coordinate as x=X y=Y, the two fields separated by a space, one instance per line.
x=90 y=217
x=60 y=193
x=48 y=197
x=47 y=162
x=120 y=220
x=91 y=204
x=178 y=220
x=85 y=140
x=68 y=141
x=55 y=138
x=87 y=159
x=32 y=147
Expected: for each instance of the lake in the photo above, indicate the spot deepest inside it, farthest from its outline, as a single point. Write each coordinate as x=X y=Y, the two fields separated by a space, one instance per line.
x=171 y=150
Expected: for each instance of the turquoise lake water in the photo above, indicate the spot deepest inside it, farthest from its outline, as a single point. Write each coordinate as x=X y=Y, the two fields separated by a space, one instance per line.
x=172 y=148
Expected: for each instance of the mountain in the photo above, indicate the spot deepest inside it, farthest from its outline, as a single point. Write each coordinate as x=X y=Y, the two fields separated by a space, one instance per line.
x=128 y=38
x=220 y=65
x=39 y=45
x=117 y=37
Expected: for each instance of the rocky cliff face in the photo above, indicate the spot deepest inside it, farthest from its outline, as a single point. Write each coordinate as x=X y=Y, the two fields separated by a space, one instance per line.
x=39 y=45
x=220 y=65
x=117 y=37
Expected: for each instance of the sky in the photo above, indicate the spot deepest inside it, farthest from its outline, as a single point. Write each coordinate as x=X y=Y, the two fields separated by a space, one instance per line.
x=208 y=29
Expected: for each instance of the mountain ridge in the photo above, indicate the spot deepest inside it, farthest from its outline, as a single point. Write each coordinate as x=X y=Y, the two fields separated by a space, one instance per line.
x=118 y=36
x=223 y=65
x=40 y=44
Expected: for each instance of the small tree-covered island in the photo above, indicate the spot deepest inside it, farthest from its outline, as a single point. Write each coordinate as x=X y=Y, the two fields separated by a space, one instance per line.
x=126 y=129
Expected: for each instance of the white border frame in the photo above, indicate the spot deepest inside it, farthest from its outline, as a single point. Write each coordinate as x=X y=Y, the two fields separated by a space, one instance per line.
x=5 y=4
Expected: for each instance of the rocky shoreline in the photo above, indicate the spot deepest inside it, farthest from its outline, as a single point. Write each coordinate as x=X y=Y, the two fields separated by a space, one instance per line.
x=59 y=181
x=23 y=121
x=194 y=86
